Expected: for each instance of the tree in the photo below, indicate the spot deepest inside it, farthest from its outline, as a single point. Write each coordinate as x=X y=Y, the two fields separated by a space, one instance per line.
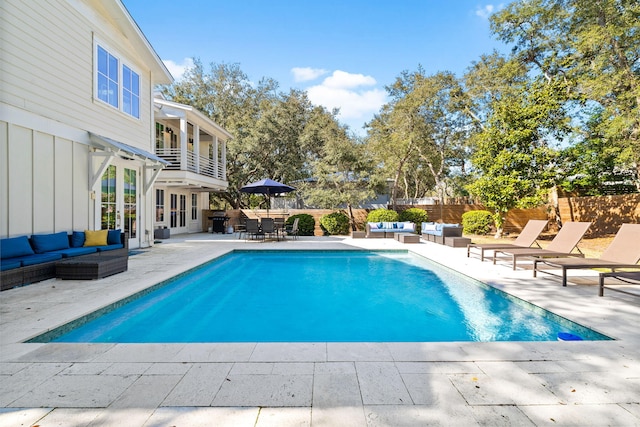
x=225 y=94
x=421 y=133
x=341 y=170
x=594 y=47
x=512 y=153
x=591 y=165
x=267 y=126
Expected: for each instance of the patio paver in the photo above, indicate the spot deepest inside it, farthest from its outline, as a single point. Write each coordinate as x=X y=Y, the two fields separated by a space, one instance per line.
x=316 y=384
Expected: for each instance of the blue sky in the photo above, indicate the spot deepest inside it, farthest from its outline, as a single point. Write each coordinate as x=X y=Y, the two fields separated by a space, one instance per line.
x=342 y=52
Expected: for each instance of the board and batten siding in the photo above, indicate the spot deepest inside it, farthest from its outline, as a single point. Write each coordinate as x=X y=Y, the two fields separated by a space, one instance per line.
x=47 y=68
x=48 y=109
x=43 y=184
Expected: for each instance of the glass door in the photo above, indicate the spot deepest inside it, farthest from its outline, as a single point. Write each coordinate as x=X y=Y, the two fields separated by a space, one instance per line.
x=119 y=201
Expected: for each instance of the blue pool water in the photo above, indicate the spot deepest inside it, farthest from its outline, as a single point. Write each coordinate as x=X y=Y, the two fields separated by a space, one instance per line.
x=318 y=296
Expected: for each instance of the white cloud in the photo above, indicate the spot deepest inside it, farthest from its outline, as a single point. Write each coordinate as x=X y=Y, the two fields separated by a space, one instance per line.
x=486 y=11
x=177 y=70
x=343 y=80
x=344 y=91
x=305 y=74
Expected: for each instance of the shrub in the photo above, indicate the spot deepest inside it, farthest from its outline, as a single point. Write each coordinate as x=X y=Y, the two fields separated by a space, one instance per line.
x=415 y=215
x=306 y=224
x=335 y=223
x=477 y=222
x=382 y=215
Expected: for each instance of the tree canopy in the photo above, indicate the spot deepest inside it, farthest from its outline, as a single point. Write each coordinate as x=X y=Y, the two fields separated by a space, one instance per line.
x=562 y=108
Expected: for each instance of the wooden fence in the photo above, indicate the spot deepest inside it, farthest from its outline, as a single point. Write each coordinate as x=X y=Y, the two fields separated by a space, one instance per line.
x=607 y=213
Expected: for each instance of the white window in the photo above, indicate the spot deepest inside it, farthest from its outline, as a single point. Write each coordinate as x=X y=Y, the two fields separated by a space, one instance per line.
x=116 y=83
x=130 y=92
x=108 y=71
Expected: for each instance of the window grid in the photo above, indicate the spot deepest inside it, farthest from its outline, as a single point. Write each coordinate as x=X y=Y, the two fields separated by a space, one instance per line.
x=194 y=206
x=118 y=86
x=108 y=199
x=130 y=202
x=159 y=205
x=183 y=210
x=108 y=70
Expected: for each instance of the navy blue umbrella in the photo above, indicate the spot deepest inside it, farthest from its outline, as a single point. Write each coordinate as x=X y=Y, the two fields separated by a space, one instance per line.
x=267 y=187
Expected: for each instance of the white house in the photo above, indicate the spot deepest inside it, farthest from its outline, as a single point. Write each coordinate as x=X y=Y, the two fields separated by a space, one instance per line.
x=78 y=127
x=195 y=148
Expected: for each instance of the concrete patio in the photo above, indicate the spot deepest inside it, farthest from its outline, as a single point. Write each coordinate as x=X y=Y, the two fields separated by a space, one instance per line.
x=316 y=384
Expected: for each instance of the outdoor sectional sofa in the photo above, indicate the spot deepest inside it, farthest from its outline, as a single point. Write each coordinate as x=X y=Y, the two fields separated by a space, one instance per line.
x=436 y=232
x=25 y=260
x=387 y=229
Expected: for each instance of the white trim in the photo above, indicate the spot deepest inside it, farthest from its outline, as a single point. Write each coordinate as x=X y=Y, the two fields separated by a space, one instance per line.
x=29 y=120
x=122 y=62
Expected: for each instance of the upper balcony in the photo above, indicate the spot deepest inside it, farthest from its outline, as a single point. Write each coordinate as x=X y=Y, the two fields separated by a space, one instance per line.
x=193 y=144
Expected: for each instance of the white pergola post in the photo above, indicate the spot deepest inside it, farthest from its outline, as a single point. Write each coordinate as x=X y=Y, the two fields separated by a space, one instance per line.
x=215 y=156
x=196 y=146
x=182 y=143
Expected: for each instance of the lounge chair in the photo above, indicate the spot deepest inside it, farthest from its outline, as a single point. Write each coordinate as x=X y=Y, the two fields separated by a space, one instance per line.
x=561 y=246
x=527 y=237
x=628 y=277
x=622 y=253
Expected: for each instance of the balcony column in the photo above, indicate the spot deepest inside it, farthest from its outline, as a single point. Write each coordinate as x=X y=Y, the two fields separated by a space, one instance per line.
x=182 y=143
x=196 y=146
x=215 y=156
x=224 y=161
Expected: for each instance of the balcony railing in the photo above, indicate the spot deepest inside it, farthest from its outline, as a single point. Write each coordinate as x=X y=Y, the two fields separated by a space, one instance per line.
x=196 y=164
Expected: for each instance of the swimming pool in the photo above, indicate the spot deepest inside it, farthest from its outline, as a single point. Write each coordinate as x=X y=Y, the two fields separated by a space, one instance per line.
x=320 y=296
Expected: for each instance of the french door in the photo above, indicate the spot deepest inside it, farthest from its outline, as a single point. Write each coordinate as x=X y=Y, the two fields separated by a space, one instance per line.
x=120 y=200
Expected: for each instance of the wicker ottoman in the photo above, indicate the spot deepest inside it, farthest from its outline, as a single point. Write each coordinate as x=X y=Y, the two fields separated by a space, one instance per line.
x=90 y=267
x=407 y=238
x=457 y=242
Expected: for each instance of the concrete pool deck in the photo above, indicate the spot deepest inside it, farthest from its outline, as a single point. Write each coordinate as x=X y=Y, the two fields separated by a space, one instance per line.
x=316 y=384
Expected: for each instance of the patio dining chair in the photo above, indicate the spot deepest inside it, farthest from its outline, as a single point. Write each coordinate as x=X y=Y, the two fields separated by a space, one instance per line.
x=253 y=230
x=527 y=237
x=268 y=228
x=622 y=253
x=293 y=229
x=562 y=245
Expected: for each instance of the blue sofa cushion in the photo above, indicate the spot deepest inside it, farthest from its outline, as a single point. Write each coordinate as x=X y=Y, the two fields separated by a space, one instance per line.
x=39 y=259
x=109 y=247
x=49 y=242
x=113 y=237
x=15 y=247
x=77 y=239
x=71 y=252
x=9 y=264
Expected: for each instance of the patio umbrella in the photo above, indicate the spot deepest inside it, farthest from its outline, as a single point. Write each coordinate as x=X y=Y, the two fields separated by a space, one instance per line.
x=268 y=187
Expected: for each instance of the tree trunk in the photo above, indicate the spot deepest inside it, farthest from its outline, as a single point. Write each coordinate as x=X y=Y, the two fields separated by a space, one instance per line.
x=352 y=219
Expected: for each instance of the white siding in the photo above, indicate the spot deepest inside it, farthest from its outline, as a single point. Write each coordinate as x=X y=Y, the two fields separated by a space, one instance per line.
x=83 y=206
x=47 y=68
x=4 y=180
x=20 y=191
x=43 y=183
x=47 y=109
